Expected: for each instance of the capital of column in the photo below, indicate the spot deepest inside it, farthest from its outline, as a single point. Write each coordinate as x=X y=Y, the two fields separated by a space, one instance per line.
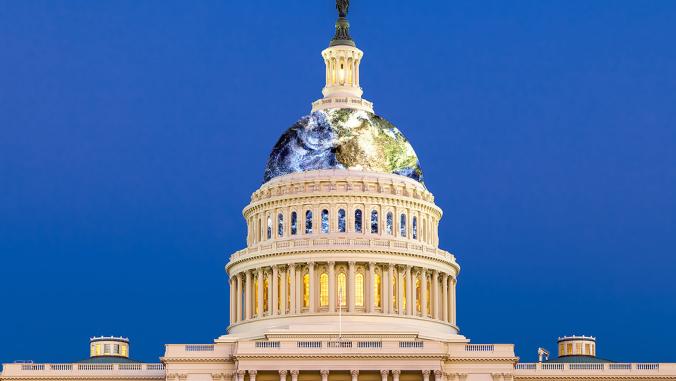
x=438 y=374
x=252 y=372
x=384 y=372
x=354 y=373
x=396 y=372
x=294 y=372
x=331 y=263
x=282 y=372
x=426 y=372
x=324 y=372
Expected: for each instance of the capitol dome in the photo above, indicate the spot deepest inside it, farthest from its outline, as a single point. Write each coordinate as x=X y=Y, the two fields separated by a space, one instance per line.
x=343 y=138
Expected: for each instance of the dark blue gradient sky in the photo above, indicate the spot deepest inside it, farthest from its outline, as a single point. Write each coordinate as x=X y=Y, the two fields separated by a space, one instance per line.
x=133 y=132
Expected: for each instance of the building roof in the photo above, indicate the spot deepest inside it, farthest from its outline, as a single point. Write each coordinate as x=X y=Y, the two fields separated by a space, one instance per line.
x=578 y=359
x=107 y=360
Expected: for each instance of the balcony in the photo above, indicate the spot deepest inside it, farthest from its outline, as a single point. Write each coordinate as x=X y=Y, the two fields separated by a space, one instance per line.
x=152 y=370
x=594 y=369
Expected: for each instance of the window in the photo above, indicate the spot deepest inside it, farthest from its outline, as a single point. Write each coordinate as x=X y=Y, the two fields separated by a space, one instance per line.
x=359 y=290
x=279 y=292
x=294 y=223
x=389 y=223
x=106 y=348
x=288 y=290
x=402 y=225
x=587 y=349
x=98 y=349
x=342 y=293
x=325 y=221
x=357 y=221
x=324 y=290
x=123 y=352
x=341 y=220
x=269 y=231
x=116 y=349
x=569 y=349
x=403 y=295
x=280 y=225
x=306 y=290
x=418 y=294
x=561 y=353
x=395 y=290
x=308 y=222
x=428 y=296
x=374 y=222
x=414 y=233
x=377 y=290
x=266 y=296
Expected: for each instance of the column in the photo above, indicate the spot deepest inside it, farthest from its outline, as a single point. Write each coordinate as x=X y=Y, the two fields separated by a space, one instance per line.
x=390 y=289
x=355 y=374
x=383 y=374
x=252 y=373
x=423 y=292
x=294 y=375
x=438 y=375
x=435 y=297
x=395 y=375
x=332 y=286
x=238 y=294
x=325 y=374
x=385 y=292
x=311 y=272
x=372 y=286
x=282 y=375
x=247 y=296
x=453 y=301
x=400 y=292
x=350 y=286
x=292 y=291
x=233 y=299
x=259 y=311
x=450 y=299
x=299 y=289
x=426 y=372
x=240 y=375
x=444 y=297
x=409 y=295
x=282 y=290
x=275 y=291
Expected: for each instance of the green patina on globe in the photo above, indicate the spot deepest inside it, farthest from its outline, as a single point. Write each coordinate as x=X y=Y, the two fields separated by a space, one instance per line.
x=343 y=139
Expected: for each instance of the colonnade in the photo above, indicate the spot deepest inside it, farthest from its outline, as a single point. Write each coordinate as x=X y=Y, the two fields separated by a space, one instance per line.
x=352 y=287
x=385 y=374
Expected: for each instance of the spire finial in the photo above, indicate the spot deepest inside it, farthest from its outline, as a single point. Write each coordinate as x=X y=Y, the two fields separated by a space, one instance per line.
x=342 y=36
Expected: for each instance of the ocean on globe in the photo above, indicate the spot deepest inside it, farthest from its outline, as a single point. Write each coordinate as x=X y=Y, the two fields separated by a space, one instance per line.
x=343 y=139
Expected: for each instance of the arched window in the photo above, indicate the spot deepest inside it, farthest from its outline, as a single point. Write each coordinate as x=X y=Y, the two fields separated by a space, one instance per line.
x=325 y=221
x=308 y=222
x=357 y=221
x=306 y=290
x=402 y=225
x=341 y=220
x=269 y=229
x=266 y=296
x=294 y=223
x=414 y=233
x=255 y=295
x=374 y=222
x=342 y=290
x=389 y=223
x=359 y=290
x=324 y=290
x=280 y=225
x=377 y=290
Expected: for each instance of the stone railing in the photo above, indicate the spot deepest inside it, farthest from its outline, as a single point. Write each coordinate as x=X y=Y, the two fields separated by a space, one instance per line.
x=594 y=368
x=310 y=244
x=337 y=346
x=153 y=370
x=480 y=350
x=221 y=350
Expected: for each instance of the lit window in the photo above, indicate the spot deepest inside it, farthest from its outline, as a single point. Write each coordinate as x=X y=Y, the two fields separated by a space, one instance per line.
x=308 y=222
x=357 y=221
x=294 y=223
x=359 y=290
x=377 y=290
x=123 y=350
x=325 y=221
x=569 y=349
x=389 y=223
x=418 y=295
x=578 y=348
x=403 y=296
x=288 y=290
x=324 y=290
x=342 y=293
x=306 y=290
x=280 y=225
x=279 y=292
x=561 y=349
x=341 y=220
x=414 y=233
x=98 y=349
x=587 y=349
x=92 y=350
x=269 y=230
x=266 y=296
x=429 y=296
x=394 y=290
x=402 y=225
x=374 y=222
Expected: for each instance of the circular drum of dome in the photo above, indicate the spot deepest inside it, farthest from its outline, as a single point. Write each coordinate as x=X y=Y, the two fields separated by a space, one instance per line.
x=343 y=139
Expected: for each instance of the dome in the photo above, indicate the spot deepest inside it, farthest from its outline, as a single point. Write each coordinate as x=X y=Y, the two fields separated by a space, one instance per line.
x=341 y=138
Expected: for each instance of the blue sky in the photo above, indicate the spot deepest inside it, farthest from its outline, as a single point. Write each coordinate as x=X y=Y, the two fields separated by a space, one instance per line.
x=133 y=132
